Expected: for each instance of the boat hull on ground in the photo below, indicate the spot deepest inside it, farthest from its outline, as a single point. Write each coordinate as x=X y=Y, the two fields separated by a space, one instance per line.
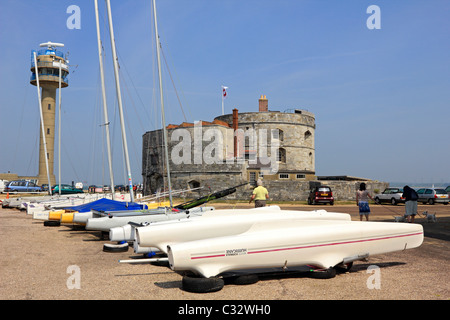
x=84 y=212
x=59 y=202
x=156 y=215
x=127 y=232
x=223 y=223
x=270 y=244
x=68 y=217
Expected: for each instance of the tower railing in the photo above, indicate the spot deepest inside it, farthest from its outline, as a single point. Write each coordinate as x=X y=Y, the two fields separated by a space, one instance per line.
x=49 y=76
x=48 y=64
x=44 y=52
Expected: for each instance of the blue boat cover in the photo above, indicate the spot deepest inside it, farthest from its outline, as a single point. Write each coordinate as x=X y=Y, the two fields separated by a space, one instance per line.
x=106 y=205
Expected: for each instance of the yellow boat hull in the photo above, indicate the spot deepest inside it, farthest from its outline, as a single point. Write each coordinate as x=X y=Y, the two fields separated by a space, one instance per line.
x=154 y=205
x=55 y=215
x=67 y=217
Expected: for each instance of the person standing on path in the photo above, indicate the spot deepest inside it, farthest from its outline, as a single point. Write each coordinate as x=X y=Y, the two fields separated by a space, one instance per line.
x=362 y=201
x=260 y=195
x=411 y=197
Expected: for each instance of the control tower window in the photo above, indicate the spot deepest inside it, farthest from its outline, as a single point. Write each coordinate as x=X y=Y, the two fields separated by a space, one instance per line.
x=49 y=106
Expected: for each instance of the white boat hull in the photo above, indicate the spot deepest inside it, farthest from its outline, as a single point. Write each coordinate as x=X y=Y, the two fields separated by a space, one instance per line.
x=290 y=243
x=61 y=201
x=41 y=215
x=127 y=232
x=114 y=221
x=222 y=223
x=83 y=217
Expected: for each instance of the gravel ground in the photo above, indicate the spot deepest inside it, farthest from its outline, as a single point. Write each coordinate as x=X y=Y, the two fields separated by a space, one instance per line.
x=36 y=264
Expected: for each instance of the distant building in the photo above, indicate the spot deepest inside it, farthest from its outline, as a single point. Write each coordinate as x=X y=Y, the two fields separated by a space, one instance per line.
x=276 y=147
x=49 y=63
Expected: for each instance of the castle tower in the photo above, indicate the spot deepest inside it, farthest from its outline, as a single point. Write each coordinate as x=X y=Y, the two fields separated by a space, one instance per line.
x=49 y=62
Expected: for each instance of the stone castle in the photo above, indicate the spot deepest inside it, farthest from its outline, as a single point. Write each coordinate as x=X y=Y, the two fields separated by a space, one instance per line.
x=276 y=147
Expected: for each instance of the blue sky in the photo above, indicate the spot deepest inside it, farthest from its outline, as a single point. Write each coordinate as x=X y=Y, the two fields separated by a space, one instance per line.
x=380 y=96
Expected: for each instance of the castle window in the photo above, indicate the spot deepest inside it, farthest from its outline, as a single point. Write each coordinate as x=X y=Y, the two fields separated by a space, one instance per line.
x=307 y=134
x=300 y=176
x=252 y=177
x=281 y=156
x=283 y=176
x=194 y=184
x=153 y=159
x=278 y=134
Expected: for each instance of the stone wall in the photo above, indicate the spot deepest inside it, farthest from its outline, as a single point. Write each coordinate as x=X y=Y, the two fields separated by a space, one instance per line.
x=299 y=190
x=278 y=190
x=296 y=135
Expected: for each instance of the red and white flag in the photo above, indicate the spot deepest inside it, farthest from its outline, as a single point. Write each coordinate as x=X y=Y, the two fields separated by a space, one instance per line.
x=224 y=91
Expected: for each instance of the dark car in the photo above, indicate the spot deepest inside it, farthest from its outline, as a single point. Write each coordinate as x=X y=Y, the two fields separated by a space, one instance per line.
x=22 y=186
x=322 y=194
x=66 y=189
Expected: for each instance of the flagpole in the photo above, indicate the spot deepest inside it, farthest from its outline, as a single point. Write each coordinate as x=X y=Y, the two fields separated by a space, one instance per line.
x=222 y=101
x=224 y=93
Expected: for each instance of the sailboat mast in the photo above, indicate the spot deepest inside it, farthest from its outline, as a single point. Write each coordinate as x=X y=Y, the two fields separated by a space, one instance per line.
x=166 y=151
x=105 y=109
x=59 y=130
x=119 y=99
x=42 y=122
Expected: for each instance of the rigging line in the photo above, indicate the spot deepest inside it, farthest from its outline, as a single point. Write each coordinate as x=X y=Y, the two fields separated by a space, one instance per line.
x=92 y=142
x=173 y=83
x=20 y=131
x=132 y=83
x=33 y=153
x=36 y=128
x=186 y=101
x=123 y=82
x=124 y=173
x=127 y=120
x=155 y=75
x=132 y=103
x=71 y=163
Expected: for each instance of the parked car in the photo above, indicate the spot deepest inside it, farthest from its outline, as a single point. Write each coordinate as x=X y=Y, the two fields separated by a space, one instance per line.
x=95 y=189
x=120 y=188
x=433 y=195
x=66 y=189
x=448 y=190
x=22 y=186
x=3 y=184
x=322 y=194
x=392 y=195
